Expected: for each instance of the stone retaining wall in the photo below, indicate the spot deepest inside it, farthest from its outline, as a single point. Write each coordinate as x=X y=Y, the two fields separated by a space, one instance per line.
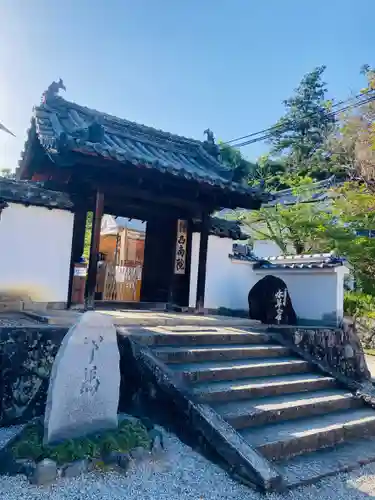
x=26 y=358
x=337 y=351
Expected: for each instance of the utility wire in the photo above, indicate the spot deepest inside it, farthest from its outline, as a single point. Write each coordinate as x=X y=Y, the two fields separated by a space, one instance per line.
x=282 y=125
x=267 y=133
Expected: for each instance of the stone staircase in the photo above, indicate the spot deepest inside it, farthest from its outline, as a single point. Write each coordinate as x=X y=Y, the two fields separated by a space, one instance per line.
x=298 y=419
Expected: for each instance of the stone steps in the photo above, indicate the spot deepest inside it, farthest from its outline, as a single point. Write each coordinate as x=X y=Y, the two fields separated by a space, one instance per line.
x=238 y=369
x=260 y=387
x=206 y=337
x=288 y=439
x=298 y=419
x=311 y=467
x=189 y=354
x=263 y=411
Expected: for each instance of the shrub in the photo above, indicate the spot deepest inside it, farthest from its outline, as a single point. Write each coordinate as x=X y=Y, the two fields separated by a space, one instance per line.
x=359 y=304
x=127 y=436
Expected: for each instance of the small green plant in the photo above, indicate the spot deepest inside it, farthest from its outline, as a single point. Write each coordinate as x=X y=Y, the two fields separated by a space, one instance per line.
x=359 y=304
x=127 y=436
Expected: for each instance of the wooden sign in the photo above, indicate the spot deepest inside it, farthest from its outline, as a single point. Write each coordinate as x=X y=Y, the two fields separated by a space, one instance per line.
x=181 y=244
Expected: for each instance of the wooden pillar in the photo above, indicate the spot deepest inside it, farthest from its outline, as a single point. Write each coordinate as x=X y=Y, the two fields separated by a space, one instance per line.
x=78 y=243
x=94 y=251
x=202 y=262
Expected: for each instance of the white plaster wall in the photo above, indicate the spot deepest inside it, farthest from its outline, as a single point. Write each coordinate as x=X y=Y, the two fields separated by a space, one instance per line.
x=227 y=285
x=314 y=294
x=35 y=248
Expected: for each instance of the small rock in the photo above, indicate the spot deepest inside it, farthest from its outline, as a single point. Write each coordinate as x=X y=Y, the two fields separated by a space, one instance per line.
x=123 y=460
x=118 y=458
x=76 y=468
x=25 y=466
x=156 y=437
x=111 y=458
x=139 y=453
x=44 y=473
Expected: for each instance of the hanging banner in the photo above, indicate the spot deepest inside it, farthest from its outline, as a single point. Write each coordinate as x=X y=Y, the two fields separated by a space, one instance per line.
x=181 y=243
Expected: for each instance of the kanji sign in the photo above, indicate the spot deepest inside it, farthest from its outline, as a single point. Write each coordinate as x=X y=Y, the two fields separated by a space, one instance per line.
x=181 y=243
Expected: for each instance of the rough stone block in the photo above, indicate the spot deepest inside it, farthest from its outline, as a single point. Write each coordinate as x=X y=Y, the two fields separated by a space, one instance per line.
x=44 y=473
x=84 y=386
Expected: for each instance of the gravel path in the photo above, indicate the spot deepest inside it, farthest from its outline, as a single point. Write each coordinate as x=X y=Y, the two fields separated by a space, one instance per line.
x=16 y=319
x=181 y=474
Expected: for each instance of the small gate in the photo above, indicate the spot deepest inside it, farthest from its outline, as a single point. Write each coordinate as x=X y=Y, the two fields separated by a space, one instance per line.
x=122 y=282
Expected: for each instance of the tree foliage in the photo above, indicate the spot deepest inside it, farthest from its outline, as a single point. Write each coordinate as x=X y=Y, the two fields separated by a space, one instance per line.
x=7 y=173
x=300 y=228
x=351 y=146
x=242 y=168
x=354 y=211
x=303 y=129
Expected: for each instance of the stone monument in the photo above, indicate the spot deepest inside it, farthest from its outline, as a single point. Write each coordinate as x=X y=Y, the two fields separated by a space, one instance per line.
x=270 y=302
x=84 y=386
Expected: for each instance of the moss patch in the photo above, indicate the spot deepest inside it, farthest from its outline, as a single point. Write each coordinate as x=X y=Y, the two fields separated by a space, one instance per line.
x=127 y=436
x=370 y=352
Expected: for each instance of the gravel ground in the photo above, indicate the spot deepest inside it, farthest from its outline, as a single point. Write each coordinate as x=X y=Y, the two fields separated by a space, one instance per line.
x=16 y=319
x=179 y=473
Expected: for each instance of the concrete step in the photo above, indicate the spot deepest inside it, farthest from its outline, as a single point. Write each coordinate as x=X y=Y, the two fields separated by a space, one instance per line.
x=260 y=387
x=233 y=370
x=207 y=336
x=288 y=439
x=263 y=411
x=309 y=468
x=218 y=353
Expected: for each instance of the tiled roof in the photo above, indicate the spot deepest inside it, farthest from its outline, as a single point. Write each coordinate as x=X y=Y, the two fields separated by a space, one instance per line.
x=62 y=126
x=222 y=228
x=315 y=192
x=226 y=229
x=32 y=193
x=287 y=262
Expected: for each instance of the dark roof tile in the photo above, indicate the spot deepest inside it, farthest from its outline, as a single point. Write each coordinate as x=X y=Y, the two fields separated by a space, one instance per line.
x=32 y=193
x=62 y=125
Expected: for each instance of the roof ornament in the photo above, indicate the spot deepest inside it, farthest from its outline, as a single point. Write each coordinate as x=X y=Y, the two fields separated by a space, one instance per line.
x=53 y=91
x=210 y=145
x=210 y=136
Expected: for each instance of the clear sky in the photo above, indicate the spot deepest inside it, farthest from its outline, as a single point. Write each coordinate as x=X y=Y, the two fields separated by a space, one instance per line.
x=181 y=66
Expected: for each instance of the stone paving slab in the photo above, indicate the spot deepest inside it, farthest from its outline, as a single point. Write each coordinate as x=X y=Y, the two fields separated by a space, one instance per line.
x=147 y=318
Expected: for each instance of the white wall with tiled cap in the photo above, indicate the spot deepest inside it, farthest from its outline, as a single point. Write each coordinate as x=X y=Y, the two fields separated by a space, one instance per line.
x=317 y=294
x=35 y=245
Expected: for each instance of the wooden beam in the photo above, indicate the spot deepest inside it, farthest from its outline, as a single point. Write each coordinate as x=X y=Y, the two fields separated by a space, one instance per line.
x=202 y=262
x=78 y=242
x=94 y=251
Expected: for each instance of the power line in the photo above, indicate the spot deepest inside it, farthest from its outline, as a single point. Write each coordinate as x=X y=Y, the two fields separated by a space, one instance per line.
x=267 y=133
x=281 y=125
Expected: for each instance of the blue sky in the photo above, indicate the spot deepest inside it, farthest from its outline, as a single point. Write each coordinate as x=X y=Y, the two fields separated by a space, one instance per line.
x=181 y=66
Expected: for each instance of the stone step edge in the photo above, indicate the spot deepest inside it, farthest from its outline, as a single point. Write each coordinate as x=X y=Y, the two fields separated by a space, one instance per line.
x=216 y=353
x=323 y=438
x=242 y=372
x=244 y=392
x=192 y=339
x=330 y=460
x=294 y=411
x=243 y=462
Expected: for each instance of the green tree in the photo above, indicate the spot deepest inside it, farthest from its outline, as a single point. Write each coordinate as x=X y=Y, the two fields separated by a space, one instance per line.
x=88 y=231
x=351 y=146
x=7 y=173
x=302 y=131
x=354 y=212
x=242 y=168
x=301 y=226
